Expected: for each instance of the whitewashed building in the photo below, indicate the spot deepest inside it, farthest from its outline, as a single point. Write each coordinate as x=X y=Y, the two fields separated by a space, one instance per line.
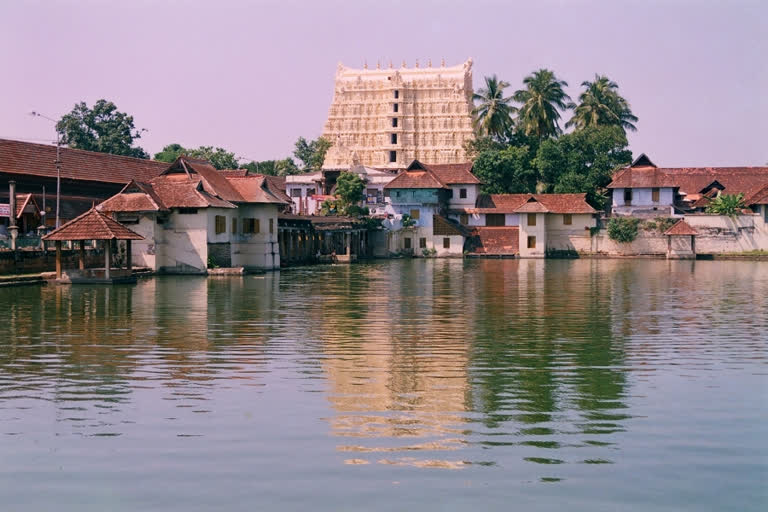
x=193 y=217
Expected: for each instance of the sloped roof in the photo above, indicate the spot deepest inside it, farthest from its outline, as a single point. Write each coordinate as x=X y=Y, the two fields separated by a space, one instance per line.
x=455 y=174
x=253 y=189
x=496 y=240
x=92 y=225
x=416 y=179
x=17 y=157
x=445 y=227
x=681 y=228
x=691 y=180
x=22 y=200
x=758 y=195
x=190 y=183
x=532 y=203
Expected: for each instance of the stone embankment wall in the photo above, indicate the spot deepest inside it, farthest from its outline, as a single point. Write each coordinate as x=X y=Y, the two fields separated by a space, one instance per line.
x=29 y=262
x=718 y=234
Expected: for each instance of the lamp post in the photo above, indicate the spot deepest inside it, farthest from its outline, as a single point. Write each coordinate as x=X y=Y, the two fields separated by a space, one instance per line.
x=58 y=162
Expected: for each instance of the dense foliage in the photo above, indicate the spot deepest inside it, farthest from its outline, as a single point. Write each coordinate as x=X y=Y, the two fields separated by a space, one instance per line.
x=102 y=128
x=523 y=149
x=623 y=229
x=220 y=158
x=727 y=204
x=349 y=189
x=311 y=154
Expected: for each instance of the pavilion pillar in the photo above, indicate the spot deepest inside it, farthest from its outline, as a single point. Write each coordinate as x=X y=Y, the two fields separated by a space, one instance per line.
x=693 y=245
x=107 y=257
x=81 y=262
x=58 y=259
x=128 y=258
x=669 y=246
x=348 y=243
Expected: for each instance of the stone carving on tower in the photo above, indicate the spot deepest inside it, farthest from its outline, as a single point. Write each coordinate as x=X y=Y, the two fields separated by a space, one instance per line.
x=389 y=117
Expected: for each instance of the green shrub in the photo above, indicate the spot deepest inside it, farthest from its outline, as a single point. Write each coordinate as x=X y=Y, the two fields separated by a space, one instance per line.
x=623 y=229
x=727 y=204
x=429 y=252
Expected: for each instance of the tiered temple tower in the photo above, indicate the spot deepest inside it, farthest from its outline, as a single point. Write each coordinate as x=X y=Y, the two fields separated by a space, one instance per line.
x=389 y=117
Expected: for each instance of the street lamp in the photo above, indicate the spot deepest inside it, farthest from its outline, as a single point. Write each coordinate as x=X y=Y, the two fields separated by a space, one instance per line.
x=58 y=162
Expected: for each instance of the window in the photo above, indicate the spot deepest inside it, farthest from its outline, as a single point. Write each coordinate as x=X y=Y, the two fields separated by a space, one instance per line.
x=234 y=226
x=422 y=243
x=531 y=242
x=450 y=194
x=406 y=243
x=187 y=211
x=463 y=219
x=393 y=156
x=567 y=219
x=531 y=219
x=251 y=226
x=271 y=225
x=627 y=196
x=397 y=94
x=394 y=122
x=310 y=192
x=393 y=138
x=446 y=243
x=396 y=107
x=295 y=192
x=655 y=195
x=494 y=219
x=462 y=193
x=415 y=214
x=221 y=224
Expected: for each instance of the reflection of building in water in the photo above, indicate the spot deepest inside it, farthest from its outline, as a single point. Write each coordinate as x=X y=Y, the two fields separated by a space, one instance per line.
x=384 y=384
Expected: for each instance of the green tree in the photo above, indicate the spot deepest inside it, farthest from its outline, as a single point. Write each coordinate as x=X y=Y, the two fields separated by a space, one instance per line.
x=170 y=153
x=623 y=229
x=541 y=102
x=267 y=167
x=727 y=204
x=349 y=189
x=508 y=171
x=102 y=128
x=220 y=158
x=601 y=105
x=311 y=153
x=493 y=114
x=286 y=167
x=583 y=161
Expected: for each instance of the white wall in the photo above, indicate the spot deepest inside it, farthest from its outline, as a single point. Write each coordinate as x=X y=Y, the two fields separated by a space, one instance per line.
x=478 y=219
x=573 y=237
x=469 y=202
x=184 y=247
x=539 y=231
x=396 y=242
x=259 y=250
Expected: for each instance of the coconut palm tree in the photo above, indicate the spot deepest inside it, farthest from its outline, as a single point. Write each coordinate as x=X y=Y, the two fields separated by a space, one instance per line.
x=600 y=104
x=493 y=114
x=542 y=99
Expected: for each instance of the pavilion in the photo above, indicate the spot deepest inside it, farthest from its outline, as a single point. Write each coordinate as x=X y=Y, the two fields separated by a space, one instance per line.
x=94 y=225
x=683 y=246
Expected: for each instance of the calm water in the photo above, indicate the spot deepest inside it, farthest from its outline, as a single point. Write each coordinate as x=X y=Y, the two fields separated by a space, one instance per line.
x=400 y=385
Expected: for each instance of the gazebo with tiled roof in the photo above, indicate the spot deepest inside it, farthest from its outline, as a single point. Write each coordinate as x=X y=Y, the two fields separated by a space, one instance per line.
x=679 y=250
x=94 y=225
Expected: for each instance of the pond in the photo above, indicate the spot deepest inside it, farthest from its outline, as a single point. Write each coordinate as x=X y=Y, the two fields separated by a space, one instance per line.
x=392 y=385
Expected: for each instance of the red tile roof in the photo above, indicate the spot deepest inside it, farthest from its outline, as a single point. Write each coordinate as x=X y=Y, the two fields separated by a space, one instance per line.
x=190 y=183
x=681 y=228
x=445 y=227
x=415 y=179
x=92 y=225
x=419 y=175
x=691 y=180
x=496 y=240
x=522 y=203
x=17 y=157
x=454 y=174
x=758 y=195
x=22 y=200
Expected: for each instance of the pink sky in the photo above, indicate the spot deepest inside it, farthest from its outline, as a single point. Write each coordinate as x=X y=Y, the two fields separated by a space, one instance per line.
x=254 y=76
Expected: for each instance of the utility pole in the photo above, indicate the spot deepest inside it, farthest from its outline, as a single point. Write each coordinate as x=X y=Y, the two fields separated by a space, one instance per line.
x=58 y=163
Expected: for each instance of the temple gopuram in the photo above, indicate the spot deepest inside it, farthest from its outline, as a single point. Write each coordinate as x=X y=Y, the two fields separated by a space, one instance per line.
x=387 y=117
